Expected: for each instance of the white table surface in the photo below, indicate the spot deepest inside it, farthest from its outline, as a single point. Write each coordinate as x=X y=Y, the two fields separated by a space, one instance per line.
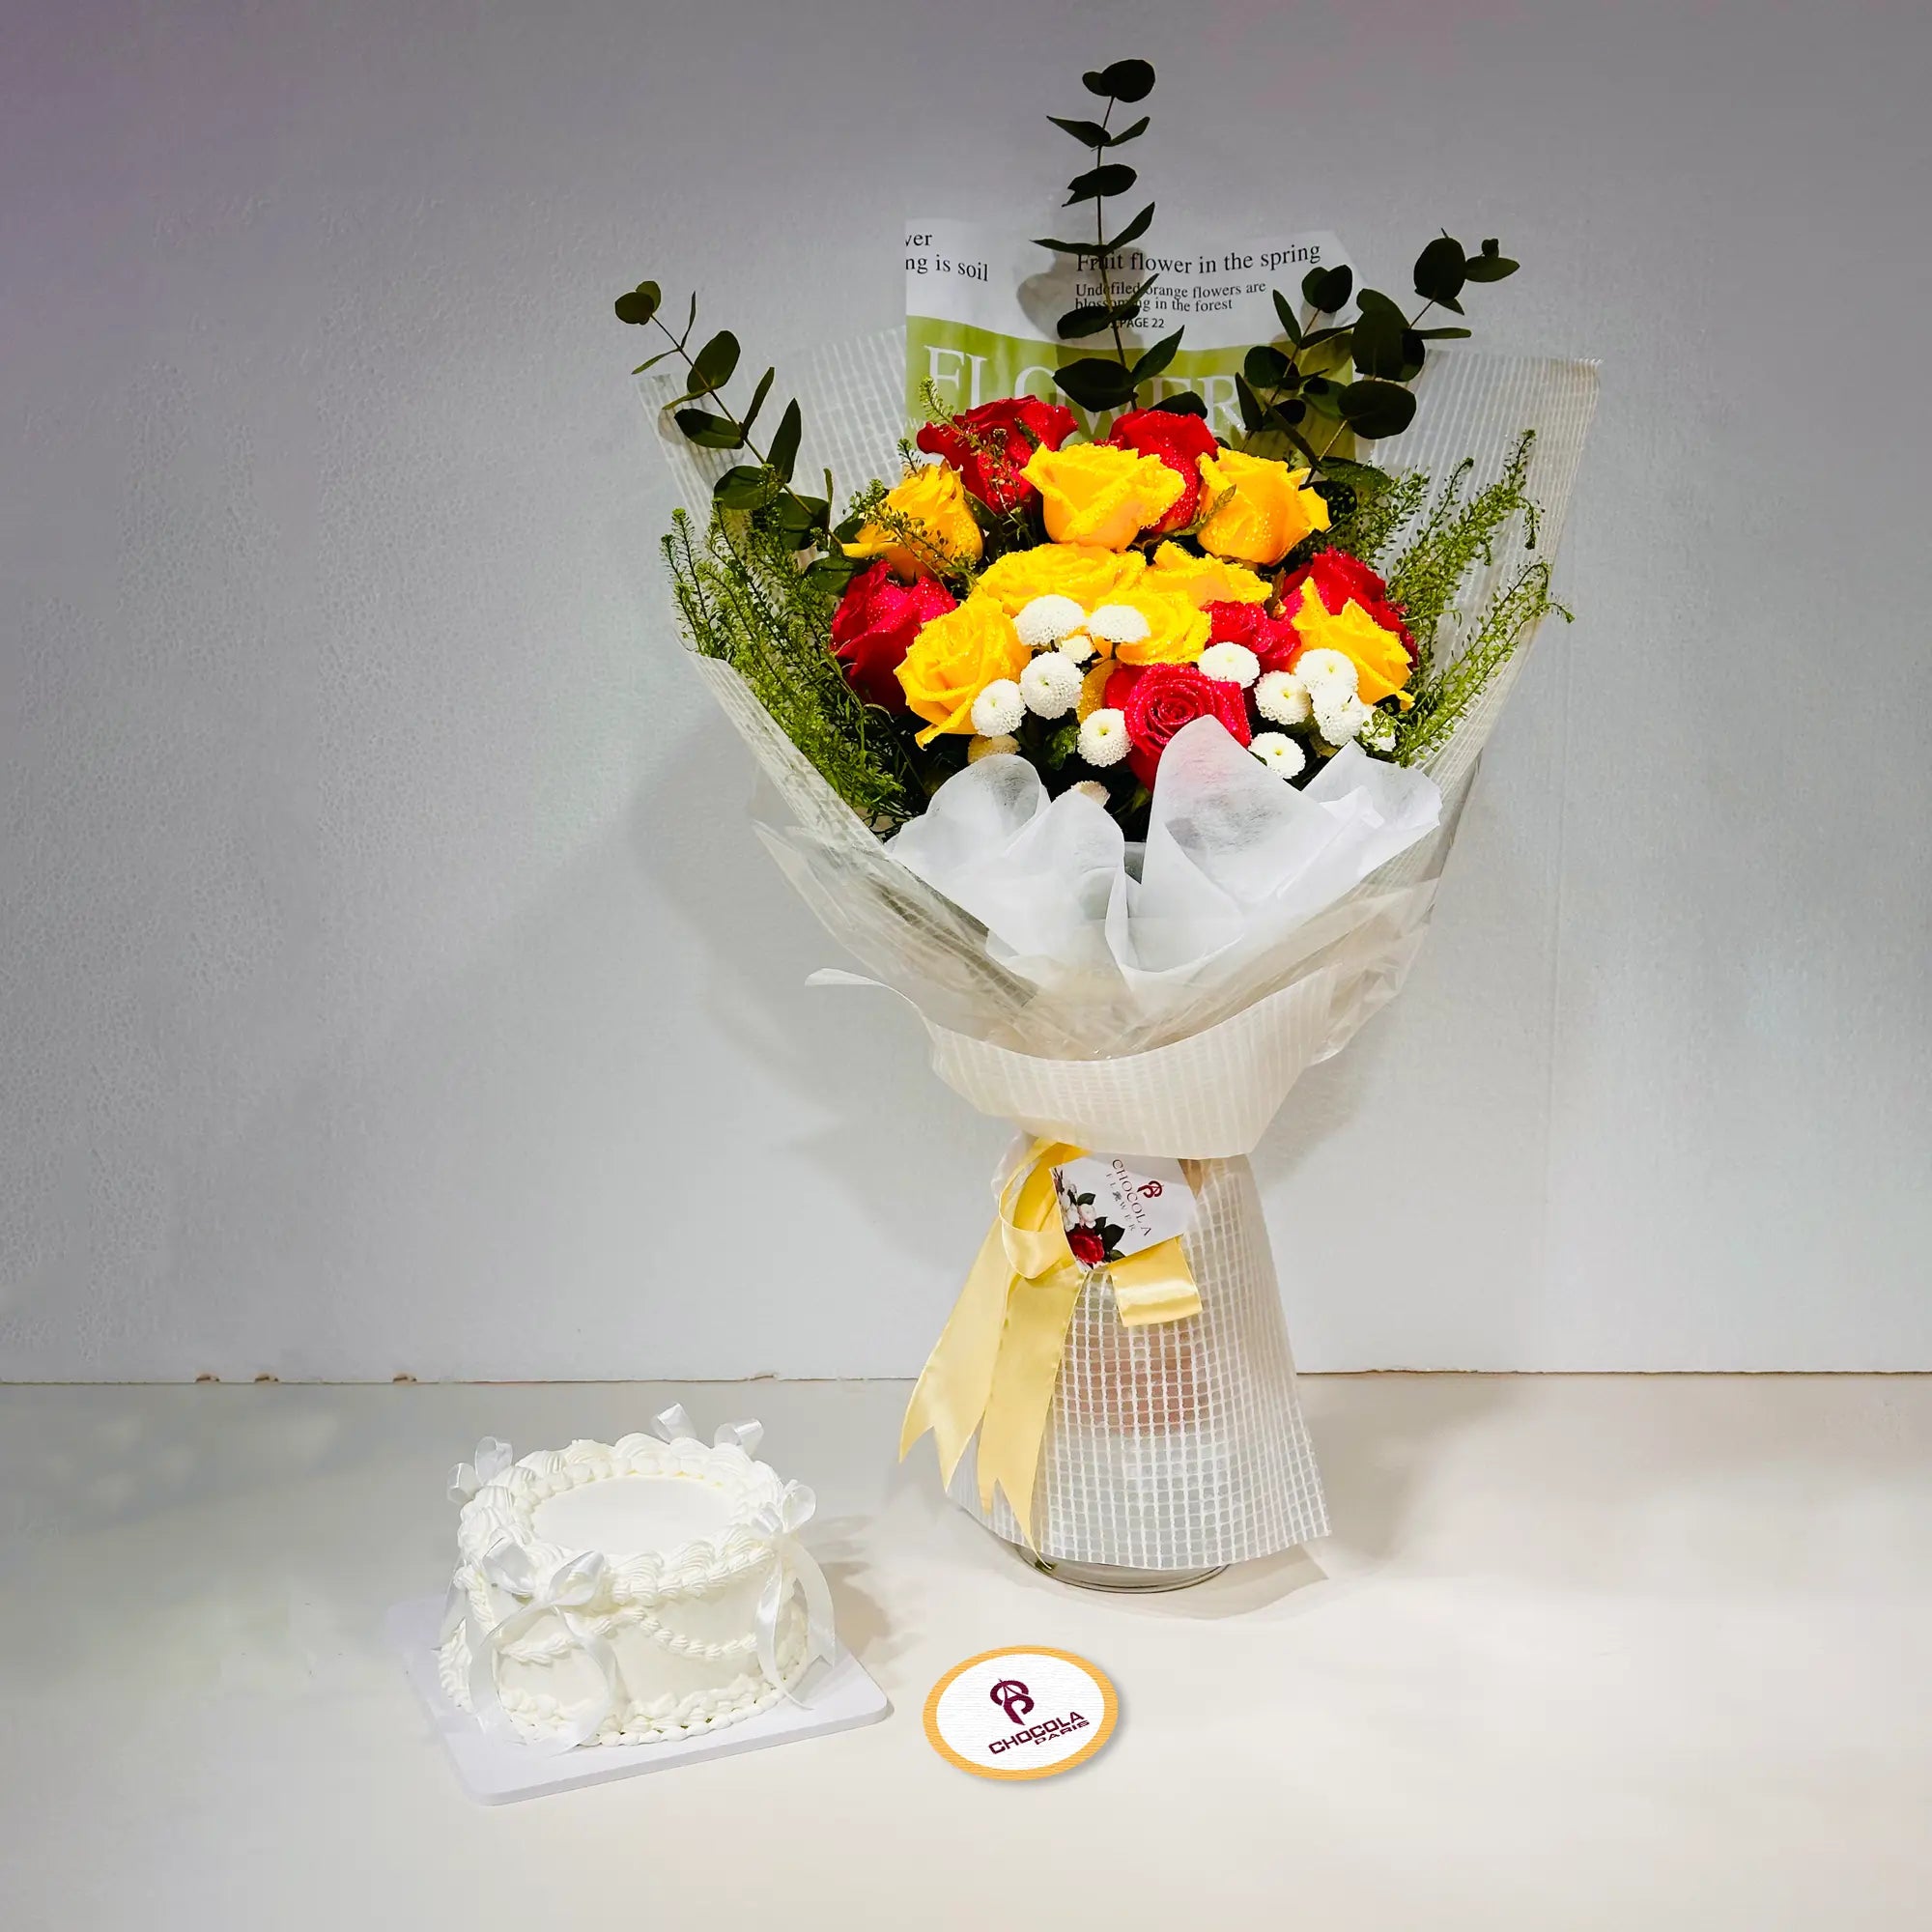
x=1636 y=1653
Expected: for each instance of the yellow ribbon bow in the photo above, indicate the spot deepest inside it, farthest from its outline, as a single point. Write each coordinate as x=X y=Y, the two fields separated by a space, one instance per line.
x=996 y=1363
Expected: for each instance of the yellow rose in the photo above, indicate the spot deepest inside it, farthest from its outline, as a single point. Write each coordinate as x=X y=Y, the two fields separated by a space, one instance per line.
x=1084 y=572
x=1095 y=494
x=1262 y=509
x=1382 y=664
x=954 y=658
x=1177 y=629
x=1205 y=579
x=932 y=501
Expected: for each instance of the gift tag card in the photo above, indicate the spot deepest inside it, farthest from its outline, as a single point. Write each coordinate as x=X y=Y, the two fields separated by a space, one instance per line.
x=1113 y=1206
x=1022 y=1712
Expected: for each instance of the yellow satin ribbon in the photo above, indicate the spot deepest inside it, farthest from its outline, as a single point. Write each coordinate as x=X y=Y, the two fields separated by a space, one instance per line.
x=996 y=1363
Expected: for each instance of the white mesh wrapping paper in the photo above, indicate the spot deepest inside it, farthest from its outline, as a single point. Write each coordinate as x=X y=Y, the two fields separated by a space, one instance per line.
x=1178 y=1445
x=1181 y=1445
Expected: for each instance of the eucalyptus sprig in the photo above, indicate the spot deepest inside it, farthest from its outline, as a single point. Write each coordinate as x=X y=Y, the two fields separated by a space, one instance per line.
x=1386 y=346
x=1097 y=381
x=763 y=484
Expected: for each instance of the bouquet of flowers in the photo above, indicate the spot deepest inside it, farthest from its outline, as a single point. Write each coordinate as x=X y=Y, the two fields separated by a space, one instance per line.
x=1124 y=735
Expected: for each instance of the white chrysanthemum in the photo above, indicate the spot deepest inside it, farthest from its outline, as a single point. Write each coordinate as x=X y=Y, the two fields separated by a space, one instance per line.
x=1327 y=668
x=1091 y=788
x=1378 y=731
x=1118 y=624
x=1282 y=699
x=1103 y=736
x=1047 y=619
x=1230 y=664
x=1077 y=647
x=997 y=709
x=989 y=748
x=1337 y=715
x=1279 y=754
x=1051 y=685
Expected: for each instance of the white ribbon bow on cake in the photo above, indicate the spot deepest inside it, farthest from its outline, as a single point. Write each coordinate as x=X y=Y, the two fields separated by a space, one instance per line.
x=571 y=1586
x=792 y=1565
x=493 y=1458
x=674 y=1425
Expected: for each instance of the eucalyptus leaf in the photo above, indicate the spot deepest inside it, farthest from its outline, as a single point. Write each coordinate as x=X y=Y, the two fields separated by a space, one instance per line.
x=1266 y=368
x=1126 y=134
x=1132 y=232
x=1089 y=133
x=1378 y=340
x=1081 y=322
x=1303 y=446
x=1157 y=358
x=1122 y=80
x=712 y=366
x=1249 y=402
x=1440 y=334
x=1375 y=409
x=747 y=487
x=1439 y=270
x=1290 y=327
x=1114 y=178
x=758 y=396
x=800 y=514
x=783 y=452
x=1187 y=403
x=707 y=431
x=1095 y=382
x=1358 y=475
x=638 y=305
x=834 y=573
x=1327 y=288
x=1491 y=265
x=1371 y=302
x=1065 y=248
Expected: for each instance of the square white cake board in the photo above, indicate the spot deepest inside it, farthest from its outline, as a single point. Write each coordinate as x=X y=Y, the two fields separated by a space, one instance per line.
x=835 y=1696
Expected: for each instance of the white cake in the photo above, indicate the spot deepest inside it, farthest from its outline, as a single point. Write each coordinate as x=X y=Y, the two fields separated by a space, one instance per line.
x=618 y=1593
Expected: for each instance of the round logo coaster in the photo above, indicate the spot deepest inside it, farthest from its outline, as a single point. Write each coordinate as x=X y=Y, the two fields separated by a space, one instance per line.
x=1021 y=1713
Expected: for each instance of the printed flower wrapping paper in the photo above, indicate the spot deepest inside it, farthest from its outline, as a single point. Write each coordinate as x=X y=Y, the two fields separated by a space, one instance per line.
x=1161 y=1002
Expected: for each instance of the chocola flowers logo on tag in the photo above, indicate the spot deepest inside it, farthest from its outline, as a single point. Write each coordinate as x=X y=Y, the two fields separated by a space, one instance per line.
x=986 y=1719
x=1011 y=1696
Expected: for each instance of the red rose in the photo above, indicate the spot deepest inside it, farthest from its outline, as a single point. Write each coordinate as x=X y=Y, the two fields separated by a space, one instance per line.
x=1159 y=698
x=1274 y=641
x=874 y=625
x=990 y=445
x=1089 y=1250
x=1180 y=441
x=1339 y=580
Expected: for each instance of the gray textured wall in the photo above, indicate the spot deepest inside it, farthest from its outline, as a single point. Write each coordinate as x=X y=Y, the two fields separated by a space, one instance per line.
x=393 y=980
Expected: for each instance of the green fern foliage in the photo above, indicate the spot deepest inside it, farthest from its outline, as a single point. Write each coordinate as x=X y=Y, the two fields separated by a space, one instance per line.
x=741 y=597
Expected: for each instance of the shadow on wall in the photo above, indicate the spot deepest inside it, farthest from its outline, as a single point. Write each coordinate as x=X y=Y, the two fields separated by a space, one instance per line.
x=907 y=1151
x=545 y=1129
